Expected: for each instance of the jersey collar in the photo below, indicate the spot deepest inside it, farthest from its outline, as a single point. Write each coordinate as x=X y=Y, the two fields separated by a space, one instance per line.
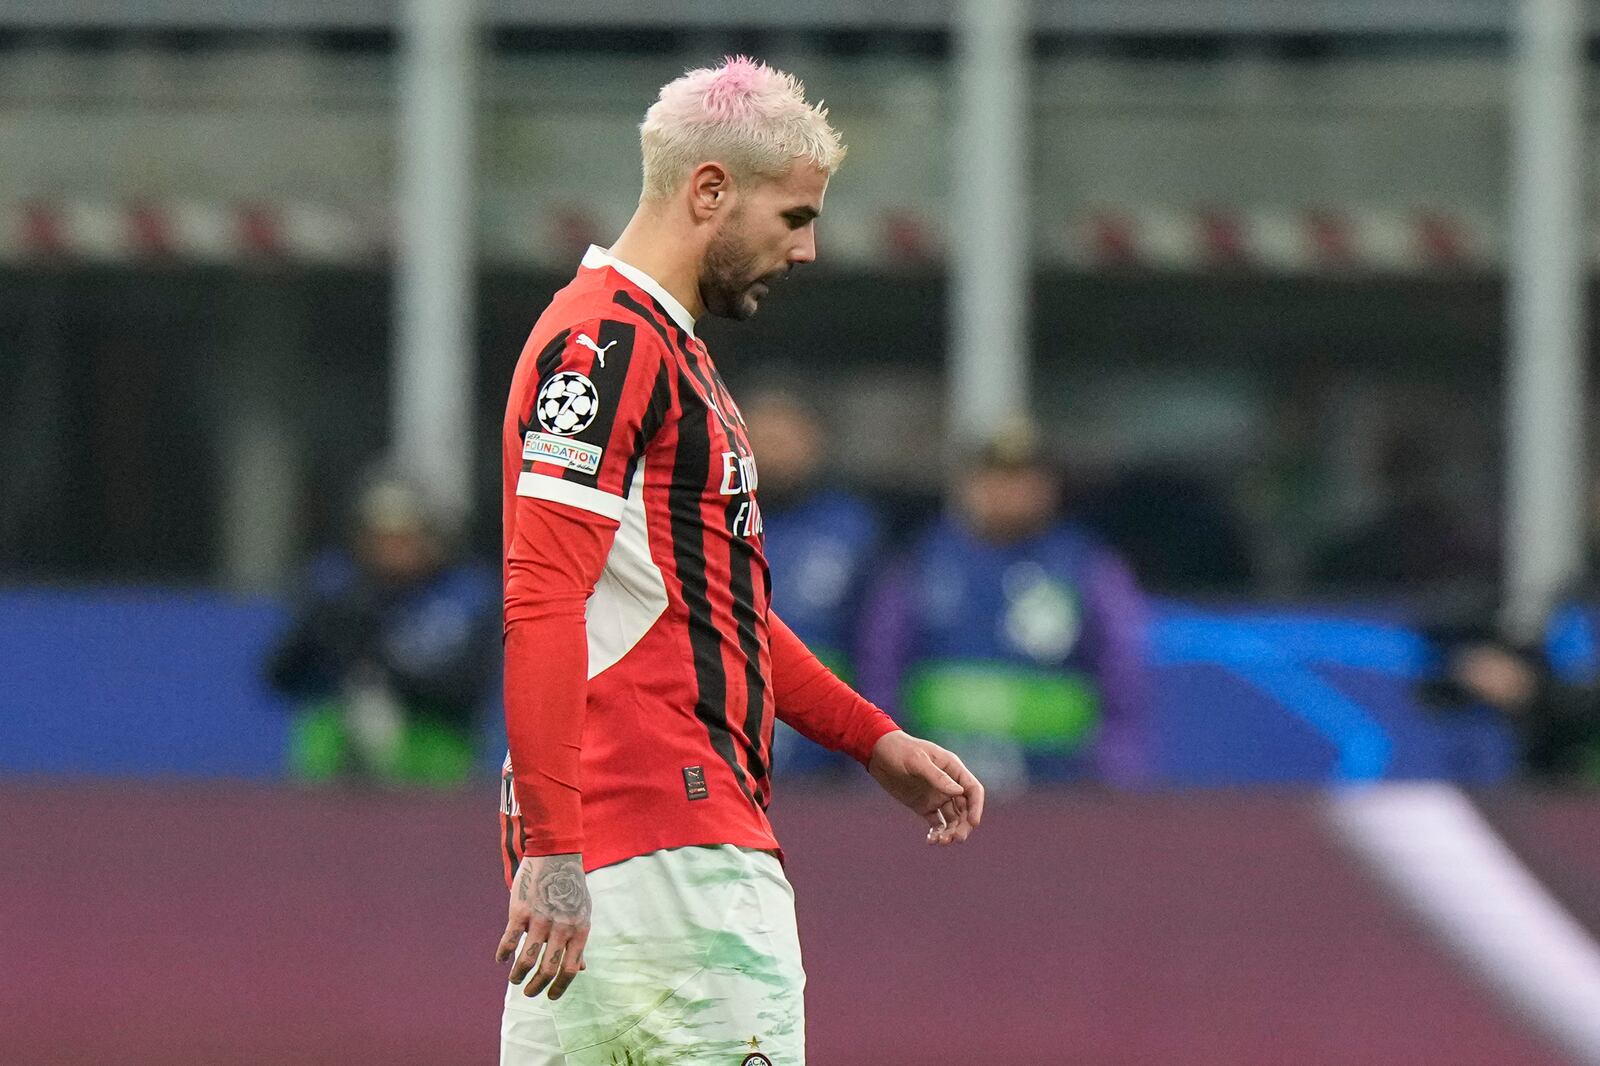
x=597 y=257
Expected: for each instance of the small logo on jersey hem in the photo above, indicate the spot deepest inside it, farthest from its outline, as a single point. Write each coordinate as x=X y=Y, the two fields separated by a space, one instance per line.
x=756 y=1059
x=572 y=454
x=694 y=783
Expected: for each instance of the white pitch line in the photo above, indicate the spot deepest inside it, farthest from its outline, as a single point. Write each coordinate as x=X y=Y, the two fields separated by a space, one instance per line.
x=1428 y=843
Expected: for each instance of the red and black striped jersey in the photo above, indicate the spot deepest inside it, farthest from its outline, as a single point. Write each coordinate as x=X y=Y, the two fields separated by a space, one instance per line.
x=617 y=409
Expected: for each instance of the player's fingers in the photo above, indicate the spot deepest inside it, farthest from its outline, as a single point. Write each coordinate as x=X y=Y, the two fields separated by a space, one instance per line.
x=528 y=958
x=971 y=788
x=935 y=794
x=972 y=793
x=962 y=828
x=934 y=774
x=508 y=941
x=549 y=962
x=539 y=979
x=571 y=963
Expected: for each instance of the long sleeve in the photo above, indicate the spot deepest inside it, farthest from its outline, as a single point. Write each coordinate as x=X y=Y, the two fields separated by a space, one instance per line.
x=556 y=555
x=817 y=704
x=1123 y=753
x=583 y=408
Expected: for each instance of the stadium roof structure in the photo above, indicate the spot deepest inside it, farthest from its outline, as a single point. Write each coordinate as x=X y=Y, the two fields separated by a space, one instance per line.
x=1153 y=17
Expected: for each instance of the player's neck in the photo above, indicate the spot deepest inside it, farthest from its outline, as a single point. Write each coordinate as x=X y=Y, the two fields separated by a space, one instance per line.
x=648 y=246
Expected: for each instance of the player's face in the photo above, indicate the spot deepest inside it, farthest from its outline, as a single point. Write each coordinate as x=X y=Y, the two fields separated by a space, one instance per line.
x=770 y=228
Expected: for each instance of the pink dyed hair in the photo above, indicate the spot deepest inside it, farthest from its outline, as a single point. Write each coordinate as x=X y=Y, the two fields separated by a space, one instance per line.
x=743 y=114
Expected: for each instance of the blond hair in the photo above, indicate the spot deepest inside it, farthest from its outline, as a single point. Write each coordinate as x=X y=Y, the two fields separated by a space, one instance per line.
x=743 y=114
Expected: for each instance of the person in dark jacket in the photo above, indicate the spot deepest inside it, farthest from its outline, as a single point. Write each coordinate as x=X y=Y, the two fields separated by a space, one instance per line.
x=1016 y=633
x=1547 y=690
x=390 y=657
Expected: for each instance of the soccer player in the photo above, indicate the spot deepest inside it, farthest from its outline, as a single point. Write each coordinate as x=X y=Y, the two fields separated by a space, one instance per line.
x=644 y=667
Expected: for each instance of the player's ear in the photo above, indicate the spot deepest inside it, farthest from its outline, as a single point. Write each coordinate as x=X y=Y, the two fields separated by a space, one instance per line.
x=710 y=189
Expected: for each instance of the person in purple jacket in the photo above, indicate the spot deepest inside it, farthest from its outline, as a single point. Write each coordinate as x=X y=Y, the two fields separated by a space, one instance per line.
x=1014 y=633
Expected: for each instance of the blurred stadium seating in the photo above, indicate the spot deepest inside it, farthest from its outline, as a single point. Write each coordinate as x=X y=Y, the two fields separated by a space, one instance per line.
x=169 y=685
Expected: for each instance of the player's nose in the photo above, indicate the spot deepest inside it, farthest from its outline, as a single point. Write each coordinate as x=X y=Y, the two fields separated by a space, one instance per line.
x=804 y=250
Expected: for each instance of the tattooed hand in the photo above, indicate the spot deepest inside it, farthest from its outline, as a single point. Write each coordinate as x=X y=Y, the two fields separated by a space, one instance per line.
x=550 y=903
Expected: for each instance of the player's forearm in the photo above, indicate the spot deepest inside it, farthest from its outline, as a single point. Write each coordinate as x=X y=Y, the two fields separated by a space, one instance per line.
x=545 y=695
x=817 y=704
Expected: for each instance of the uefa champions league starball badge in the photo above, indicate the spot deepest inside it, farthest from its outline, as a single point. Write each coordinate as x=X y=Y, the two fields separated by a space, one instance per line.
x=567 y=404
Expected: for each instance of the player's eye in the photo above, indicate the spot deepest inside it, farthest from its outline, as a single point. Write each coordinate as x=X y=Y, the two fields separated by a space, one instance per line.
x=796 y=219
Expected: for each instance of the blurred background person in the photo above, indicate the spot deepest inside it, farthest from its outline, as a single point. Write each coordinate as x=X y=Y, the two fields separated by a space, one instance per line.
x=1421 y=536
x=1139 y=511
x=1545 y=691
x=823 y=542
x=390 y=657
x=1015 y=632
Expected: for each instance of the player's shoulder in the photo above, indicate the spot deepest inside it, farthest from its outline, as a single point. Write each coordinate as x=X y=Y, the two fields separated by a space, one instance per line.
x=580 y=317
x=607 y=295
x=626 y=304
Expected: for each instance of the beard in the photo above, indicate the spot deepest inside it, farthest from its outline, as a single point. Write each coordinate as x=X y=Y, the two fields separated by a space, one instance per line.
x=730 y=273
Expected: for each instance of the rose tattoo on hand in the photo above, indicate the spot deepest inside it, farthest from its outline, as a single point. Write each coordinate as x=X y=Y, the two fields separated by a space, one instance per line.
x=560 y=892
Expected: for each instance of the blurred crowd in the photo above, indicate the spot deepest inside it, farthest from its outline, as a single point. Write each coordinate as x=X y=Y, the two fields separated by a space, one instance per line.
x=390 y=658
x=1004 y=622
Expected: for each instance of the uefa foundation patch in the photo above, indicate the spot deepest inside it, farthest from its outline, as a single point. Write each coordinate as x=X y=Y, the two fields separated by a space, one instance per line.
x=572 y=454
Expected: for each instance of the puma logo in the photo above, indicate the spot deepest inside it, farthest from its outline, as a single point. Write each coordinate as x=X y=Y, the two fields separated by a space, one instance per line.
x=583 y=339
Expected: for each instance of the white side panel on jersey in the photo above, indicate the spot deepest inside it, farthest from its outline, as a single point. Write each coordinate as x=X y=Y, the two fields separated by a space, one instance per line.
x=631 y=593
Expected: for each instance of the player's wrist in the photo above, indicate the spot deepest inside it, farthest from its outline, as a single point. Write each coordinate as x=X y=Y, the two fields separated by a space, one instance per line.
x=882 y=746
x=556 y=848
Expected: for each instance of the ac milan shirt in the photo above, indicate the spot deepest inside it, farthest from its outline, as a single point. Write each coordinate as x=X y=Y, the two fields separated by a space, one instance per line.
x=643 y=665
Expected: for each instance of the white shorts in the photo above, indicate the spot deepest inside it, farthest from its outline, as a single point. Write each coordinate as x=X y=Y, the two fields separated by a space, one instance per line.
x=693 y=958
